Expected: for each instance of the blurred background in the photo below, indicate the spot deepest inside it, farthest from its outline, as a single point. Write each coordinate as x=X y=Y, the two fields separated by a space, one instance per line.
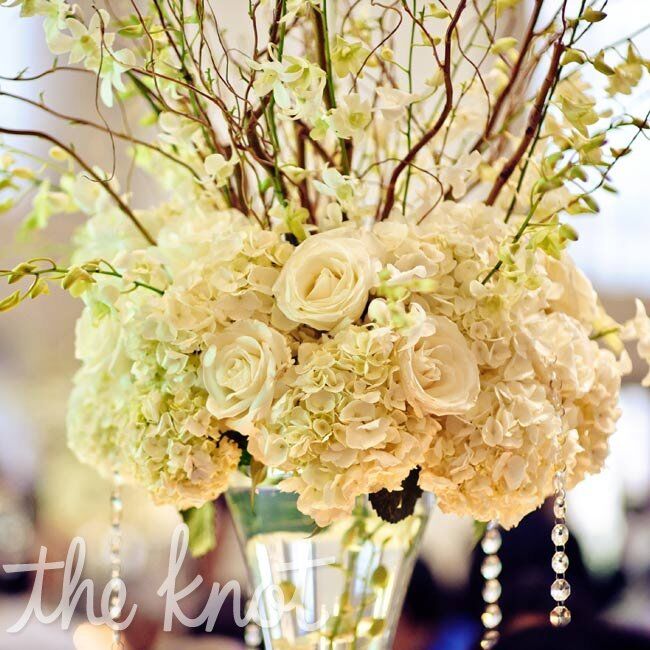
x=47 y=498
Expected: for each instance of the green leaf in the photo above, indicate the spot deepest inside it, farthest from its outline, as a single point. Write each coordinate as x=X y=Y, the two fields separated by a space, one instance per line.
x=553 y=159
x=504 y=5
x=502 y=45
x=547 y=184
x=438 y=12
x=201 y=522
x=593 y=15
x=379 y=579
x=577 y=172
x=7 y=183
x=40 y=287
x=572 y=56
x=258 y=472
x=479 y=530
x=568 y=232
x=265 y=184
x=601 y=66
x=20 y=271
x=352 y=534
x=577 y=207
x=593 y=143
x=289 y=594
x=377 y=627
x=632 y=56
x=11 y=301
x=132 y=31
x=76 y=281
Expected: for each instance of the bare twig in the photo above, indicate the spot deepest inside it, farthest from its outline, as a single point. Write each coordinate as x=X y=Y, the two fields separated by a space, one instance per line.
x=449 y=91
x=514 y=75
x=89 y=170
x=93 y=125
x=534 y=119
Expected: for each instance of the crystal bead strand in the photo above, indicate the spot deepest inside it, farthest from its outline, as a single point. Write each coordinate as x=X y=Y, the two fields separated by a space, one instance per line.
x=116 y=559
x=560 y=589
x=560 y=615
x=252 y=632
x=490 y=570
x=252 y=636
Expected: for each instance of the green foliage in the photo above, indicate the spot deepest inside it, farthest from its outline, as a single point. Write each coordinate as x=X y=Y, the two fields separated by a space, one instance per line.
x=551 y=237
x=437 y=11
x=600 y=65
x=201 y=523
x=572 y=56
x=479 y=530
x=11 y=301
x=579 y=114
x=76 y=280
x=627 y=74
x=379 y=579
x=502 y=45
x=593 y=15
x=504 y=5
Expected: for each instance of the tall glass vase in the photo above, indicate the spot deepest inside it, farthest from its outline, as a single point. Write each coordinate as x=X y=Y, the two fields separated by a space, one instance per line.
x=338 y=588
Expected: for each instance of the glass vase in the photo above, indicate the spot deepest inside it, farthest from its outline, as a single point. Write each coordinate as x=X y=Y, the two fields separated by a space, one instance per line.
x=337 y=588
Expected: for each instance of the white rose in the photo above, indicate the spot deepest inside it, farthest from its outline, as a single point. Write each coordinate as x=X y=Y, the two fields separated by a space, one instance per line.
x=326 y=280
x=240 y=372
x=438 y=370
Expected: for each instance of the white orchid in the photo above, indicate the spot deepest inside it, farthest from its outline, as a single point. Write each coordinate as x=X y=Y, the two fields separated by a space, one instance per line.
x=348 y=56
x=455 y=176
x=392 y=102
x=220 y=169
x=268 y=79
x=114 y=66
x=54 y=12
x=351 y=117
x=177 y=129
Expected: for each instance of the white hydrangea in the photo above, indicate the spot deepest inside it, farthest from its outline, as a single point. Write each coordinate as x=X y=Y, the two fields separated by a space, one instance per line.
x=347 y=361
x=343 y=425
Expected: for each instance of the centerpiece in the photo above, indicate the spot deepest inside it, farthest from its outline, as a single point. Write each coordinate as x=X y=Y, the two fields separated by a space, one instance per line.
x=353 y=287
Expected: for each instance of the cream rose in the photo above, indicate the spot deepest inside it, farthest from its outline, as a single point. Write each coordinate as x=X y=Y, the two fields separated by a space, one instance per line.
x=240 y=370
x=438 y=370
x=326 y=280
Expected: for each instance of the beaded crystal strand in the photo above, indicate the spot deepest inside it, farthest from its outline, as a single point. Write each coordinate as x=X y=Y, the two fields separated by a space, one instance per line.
x=115 y=601
x=490 y=570
x=252 y=636
x=560 y=615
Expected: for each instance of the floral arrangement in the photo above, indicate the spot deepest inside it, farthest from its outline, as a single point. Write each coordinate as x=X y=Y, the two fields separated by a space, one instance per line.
x=355 y=275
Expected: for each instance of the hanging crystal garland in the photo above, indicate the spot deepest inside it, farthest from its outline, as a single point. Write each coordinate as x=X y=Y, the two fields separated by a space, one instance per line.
x=560 y=589
x=560 y=615
x=252 y=636
x=116 y=560
x=490 y=570
x=252 y=632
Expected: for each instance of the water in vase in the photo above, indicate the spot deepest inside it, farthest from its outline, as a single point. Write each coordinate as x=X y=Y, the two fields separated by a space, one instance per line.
x=336 y=588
